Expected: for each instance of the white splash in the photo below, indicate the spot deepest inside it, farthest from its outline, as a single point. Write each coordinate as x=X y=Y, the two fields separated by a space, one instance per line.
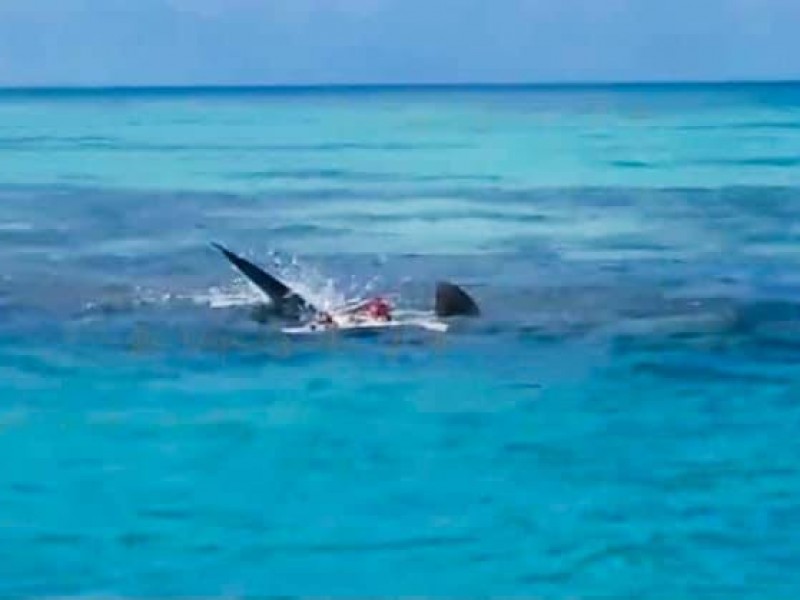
x=322 y=291
x=239 y=293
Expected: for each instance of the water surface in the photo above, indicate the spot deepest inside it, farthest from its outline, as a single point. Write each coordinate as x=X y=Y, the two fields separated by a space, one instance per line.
x=621 y=422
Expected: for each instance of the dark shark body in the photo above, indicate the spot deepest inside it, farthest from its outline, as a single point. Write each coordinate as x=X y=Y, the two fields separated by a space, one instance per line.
x=450 y=299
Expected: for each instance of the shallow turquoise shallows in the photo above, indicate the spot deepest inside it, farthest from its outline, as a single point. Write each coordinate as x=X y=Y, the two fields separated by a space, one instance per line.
x=622 y=421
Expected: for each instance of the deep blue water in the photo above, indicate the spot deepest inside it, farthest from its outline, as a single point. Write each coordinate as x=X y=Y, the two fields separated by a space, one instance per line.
x=621 y=422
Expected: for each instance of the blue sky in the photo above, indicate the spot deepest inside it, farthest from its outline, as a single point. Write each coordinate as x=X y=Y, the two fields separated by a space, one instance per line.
x=135 y=42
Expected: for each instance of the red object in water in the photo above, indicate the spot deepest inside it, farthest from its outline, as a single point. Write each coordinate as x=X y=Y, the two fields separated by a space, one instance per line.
x=379 y=309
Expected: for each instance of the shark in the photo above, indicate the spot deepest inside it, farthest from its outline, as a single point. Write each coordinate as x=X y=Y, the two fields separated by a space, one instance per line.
x=449 y=300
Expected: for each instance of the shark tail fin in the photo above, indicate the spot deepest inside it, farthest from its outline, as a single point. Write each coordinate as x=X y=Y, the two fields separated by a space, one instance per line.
x=281 y=295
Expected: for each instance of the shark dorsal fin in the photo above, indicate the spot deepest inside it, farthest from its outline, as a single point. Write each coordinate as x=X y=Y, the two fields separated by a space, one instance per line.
x=452 y=301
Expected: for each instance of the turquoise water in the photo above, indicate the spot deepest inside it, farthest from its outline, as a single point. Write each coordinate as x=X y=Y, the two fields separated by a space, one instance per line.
x=622 y=421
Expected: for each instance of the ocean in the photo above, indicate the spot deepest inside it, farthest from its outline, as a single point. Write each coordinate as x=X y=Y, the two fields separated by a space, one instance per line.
x=622 y=421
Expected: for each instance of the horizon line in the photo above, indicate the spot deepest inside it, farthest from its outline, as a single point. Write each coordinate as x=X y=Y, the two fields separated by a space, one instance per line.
x=210 y=86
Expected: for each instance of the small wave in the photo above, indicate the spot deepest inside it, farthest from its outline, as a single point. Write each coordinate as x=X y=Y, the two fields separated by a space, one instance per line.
x=16 y=226
x=240 y=293
x=361 y=176
x=631 y=164
x=297 y=174
x=123 y=302
x=754 y=125
x=762 y=161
